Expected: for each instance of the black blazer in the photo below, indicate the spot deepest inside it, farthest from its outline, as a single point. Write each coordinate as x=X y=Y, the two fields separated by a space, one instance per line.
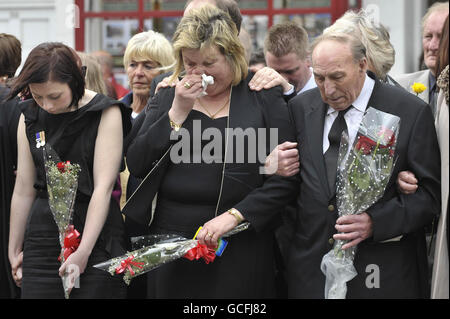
x=400 y=263
x=258 y=197
x=155 y=82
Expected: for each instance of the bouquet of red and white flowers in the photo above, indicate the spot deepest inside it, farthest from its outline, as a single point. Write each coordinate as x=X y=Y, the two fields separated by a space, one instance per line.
x=153 y=251
x=364 y=171
x=62 y=184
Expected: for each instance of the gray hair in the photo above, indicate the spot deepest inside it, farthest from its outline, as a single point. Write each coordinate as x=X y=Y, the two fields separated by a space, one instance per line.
x=379 y=50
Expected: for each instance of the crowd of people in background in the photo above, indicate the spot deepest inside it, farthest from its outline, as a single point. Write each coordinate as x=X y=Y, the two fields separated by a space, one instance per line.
x=130 y=186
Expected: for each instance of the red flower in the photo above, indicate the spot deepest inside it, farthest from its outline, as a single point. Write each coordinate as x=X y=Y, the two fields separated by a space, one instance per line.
x=62 y=166
x=365 y=144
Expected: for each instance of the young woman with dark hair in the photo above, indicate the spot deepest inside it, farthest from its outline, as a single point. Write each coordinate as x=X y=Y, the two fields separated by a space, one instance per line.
x=83 y=127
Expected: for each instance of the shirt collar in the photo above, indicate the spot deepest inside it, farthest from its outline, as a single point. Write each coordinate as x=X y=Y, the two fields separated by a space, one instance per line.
x=363 y=98
x=311 y=84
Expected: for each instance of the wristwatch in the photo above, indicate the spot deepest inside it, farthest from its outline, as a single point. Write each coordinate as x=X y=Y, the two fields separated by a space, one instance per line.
x=236 y=214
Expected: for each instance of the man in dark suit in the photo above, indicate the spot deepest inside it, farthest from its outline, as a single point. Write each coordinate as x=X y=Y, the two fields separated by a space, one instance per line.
x=391 y=253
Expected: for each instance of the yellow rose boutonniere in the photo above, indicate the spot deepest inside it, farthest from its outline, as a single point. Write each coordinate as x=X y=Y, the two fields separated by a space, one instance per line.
x=418 y=88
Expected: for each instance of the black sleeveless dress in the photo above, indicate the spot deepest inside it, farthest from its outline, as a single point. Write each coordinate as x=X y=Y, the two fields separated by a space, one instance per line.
x=72 y=135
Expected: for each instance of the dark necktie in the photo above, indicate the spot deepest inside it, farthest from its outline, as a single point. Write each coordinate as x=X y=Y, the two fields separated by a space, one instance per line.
x=433 y=99
x=332 y=153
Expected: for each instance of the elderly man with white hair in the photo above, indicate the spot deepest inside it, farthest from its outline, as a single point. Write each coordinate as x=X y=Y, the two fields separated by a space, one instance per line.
x=344 y=92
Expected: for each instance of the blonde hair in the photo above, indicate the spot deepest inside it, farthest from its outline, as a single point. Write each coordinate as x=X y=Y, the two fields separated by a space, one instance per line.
x=208 y=27
x=149 y=45
x=379 y=50
x=436 y=7
x=94 y=76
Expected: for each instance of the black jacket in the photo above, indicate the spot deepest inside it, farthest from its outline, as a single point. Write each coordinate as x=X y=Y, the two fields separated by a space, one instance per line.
x=258 y=197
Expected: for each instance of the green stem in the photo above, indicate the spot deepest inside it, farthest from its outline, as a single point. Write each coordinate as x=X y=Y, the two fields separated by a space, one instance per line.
x=378 y=144
x=358 y=154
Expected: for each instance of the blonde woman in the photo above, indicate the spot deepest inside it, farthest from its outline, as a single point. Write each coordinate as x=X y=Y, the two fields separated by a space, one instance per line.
x=217 y=192
x=147 y=55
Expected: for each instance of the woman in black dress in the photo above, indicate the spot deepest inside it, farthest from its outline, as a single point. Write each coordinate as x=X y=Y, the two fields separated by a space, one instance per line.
x=189 y=150
x=82 y=127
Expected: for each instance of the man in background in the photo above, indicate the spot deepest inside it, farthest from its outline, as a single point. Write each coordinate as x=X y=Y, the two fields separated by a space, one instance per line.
x=432 y=24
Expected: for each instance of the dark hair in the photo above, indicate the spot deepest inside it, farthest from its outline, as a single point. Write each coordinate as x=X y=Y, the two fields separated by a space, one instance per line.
x=10 y=54
x=51 y=61
x=442 y=59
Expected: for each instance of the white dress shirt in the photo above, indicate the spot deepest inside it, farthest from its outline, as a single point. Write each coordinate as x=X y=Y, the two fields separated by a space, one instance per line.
x=311 y=84
x=353 y=117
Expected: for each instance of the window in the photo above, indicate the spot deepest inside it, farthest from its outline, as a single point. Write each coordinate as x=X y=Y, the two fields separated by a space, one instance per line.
x=108 y=24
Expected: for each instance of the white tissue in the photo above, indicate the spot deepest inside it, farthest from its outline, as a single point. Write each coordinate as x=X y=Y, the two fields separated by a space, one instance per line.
x=206 y=80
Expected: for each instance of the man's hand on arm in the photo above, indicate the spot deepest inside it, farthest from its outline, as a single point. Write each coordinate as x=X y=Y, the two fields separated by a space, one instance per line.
x=283 y=160
x=165 y=83
x=267 y=78
x=407 y=182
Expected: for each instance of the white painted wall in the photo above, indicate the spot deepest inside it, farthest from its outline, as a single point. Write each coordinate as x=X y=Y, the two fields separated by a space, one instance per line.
x=37 y=21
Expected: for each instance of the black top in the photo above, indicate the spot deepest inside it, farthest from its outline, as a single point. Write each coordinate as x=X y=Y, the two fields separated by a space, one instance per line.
x=72 y=135
x=194 y=181
x=190 y=194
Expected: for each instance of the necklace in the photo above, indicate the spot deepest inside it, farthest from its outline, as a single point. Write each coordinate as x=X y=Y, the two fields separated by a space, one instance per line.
x=213 y=116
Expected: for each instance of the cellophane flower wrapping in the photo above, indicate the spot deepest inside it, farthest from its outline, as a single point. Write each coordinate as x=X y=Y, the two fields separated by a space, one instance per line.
x=363 y=173
x=62 y=184
x=153 y=251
